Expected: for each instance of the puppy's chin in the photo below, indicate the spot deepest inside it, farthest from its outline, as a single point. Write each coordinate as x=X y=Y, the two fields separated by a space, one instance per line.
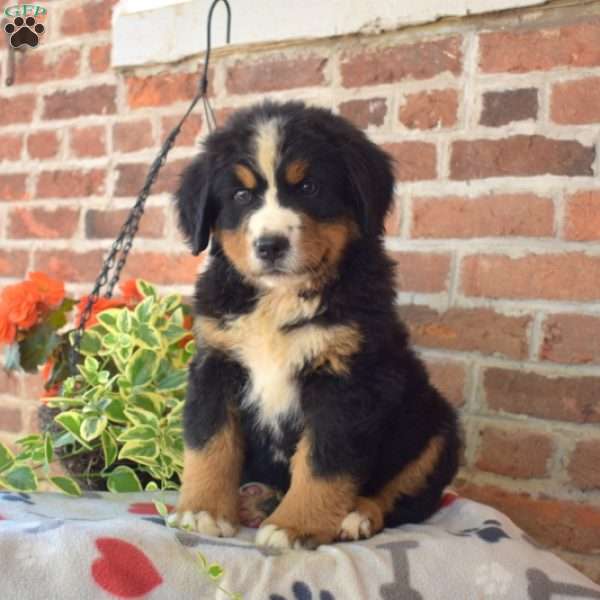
x=282 y=279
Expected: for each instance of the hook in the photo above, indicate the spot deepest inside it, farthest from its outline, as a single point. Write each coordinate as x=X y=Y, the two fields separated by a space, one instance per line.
x=204 y=81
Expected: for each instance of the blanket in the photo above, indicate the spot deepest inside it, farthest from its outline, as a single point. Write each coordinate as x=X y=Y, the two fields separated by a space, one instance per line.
x=106 y=546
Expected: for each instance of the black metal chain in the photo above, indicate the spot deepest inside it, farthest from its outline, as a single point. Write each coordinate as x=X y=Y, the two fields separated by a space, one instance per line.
x=117 y=256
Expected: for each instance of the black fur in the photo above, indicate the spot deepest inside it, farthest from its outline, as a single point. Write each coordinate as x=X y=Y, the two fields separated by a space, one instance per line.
x=371 y=423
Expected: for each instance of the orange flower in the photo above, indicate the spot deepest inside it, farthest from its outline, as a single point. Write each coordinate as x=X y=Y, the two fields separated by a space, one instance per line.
x=8 y=330
x=100 y=305
x=52 y=291
x=131 y=292
x=21 y=304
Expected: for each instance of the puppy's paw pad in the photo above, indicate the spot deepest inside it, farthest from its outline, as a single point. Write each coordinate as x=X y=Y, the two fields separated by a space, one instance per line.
x=202 y=522
x=356 y=526
x=275 y=537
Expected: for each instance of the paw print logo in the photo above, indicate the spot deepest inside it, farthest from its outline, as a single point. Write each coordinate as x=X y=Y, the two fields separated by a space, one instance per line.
x=24 y=31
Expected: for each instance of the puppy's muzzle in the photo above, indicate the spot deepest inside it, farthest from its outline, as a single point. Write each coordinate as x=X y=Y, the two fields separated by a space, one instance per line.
x=271 y=248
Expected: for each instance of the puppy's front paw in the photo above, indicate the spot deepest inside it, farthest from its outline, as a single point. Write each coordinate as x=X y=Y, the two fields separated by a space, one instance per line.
x=356 y=526
x=277 y=537
x=202 y=522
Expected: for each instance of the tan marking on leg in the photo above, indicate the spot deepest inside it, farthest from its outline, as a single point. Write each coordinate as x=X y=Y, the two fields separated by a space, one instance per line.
x=211 y=475
x=246 y=176
x=314 y=507
x=412 y=479
x=295 y=171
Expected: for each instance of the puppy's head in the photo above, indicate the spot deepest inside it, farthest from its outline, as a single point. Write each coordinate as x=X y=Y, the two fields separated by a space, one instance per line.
x=283 y=189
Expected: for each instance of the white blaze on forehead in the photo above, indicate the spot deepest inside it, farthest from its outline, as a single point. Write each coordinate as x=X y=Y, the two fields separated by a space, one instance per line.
x=271 y=218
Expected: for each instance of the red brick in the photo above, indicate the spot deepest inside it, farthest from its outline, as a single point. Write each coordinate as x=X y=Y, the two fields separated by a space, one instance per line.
x=582 y=221
x=507 y=106
x=161 y=268
x=107 y=224
x=10 y=419
x=425 y=272
x=541 y=49
x=449 y=378
x=571 y=339
x=69 y=266
x=430 y=109
x=422 y=60
x=43 y=144
x=12 y=187
x=188 y=136
x=364 y=113
x=487 y=216
x=553 y=522
x=413 y=161
x=17 y=109
x=275 y=73
x=9 y=383
x=70 y=184
x=584 y=466
x=10 y=146
x=41 y=223
x=467 y=330
x=547 y=276
x=131 y=177
x=87 y=17
x=88 y=141
x=94 y=100
x=518 y=454
x=393 y=220
x=40 y=66
x=576 y=102
x=132 y=135
x=161 y=89
x=572 y=399
x=13 y=263
x=520 y=155
x=100 y=58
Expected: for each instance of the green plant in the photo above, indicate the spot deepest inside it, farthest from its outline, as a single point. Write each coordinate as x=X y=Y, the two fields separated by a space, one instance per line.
x=123 y=407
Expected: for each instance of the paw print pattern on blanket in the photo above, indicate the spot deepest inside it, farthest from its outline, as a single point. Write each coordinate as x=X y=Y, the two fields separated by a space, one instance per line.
x=13 y=497
x=490 y=532
x=302 y=592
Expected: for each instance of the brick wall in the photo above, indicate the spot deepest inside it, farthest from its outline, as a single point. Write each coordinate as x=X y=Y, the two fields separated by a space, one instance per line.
x=495 y=125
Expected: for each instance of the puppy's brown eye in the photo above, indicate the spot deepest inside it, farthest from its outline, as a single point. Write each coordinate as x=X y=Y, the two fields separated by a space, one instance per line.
x=243 y=196
x=308 y=187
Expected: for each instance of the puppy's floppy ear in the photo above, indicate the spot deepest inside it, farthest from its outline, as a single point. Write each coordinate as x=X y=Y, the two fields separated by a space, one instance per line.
x=195 y=203
x=372 y=182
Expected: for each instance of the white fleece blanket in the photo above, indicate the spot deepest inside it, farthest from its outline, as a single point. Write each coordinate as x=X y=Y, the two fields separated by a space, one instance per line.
x=104 y=546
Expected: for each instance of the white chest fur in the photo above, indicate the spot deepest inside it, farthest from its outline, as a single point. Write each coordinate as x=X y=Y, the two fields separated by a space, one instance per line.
x=274 y=356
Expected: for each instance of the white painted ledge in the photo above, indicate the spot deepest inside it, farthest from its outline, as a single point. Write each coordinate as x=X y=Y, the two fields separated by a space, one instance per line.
x=162 y=31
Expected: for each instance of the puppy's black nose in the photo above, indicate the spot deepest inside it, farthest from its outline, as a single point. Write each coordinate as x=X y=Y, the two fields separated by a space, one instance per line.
x=271 y=247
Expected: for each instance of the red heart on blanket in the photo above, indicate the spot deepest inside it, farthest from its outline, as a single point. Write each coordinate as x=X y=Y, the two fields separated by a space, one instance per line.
x=124 y=570
x=145 y=508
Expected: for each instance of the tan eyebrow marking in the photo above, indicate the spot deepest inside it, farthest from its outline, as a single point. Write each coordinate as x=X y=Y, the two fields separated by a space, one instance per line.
x=246 y=176
x=295 y=171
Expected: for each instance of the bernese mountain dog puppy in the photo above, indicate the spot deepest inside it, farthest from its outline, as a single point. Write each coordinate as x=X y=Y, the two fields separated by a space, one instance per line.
x=304 y=378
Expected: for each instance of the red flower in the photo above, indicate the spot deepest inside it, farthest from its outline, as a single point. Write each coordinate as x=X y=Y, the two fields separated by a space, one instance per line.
x=100 y=305
x=131 y=292
x=21 y=302
x=8 y=330
x=52 y=291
